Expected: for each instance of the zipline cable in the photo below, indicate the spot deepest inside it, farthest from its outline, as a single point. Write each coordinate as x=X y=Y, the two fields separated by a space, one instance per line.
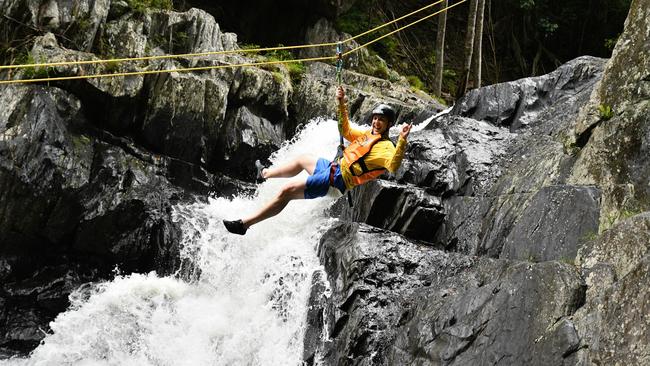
x=149 y=72
x=163 y=57
x=212 y=67
x=402 y=28
x=392 y=21
x=214 y=53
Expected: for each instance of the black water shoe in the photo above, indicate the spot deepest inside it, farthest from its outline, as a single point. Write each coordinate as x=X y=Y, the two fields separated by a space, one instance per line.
x=235 y=227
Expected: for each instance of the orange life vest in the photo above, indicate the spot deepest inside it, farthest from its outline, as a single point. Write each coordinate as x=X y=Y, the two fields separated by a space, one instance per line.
x=355 y=152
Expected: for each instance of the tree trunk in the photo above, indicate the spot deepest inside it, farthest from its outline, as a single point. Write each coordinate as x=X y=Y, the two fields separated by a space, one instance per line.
x=478 y=44
x=491 y=39
x=469 y=49
x=440 y=51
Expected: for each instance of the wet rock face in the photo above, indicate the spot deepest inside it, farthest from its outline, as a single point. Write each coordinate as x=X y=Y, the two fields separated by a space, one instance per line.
x=612 y=325
x=455 y=157
x=62 y=186
x=555 y=223
x=31 y=300
x=517 y=104
x=393 y=302
x=77 y=21
x=547 y=195
x=616 y=143
x=463 y=326
x=417 y=216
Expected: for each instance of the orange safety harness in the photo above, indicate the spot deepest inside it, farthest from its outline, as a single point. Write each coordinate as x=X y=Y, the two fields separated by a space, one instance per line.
x=355 y=153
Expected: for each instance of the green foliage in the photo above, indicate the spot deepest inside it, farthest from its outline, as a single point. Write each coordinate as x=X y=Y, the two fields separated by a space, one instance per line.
x=549 y=33
x=605 y=112
x=249 y=46
x=527 y=4
x=84 y=24
x=111 y=67
x=140 y=6
x=296 y=69
x=35 y=72
x=623 y=214
x=547 y=26
x=279 y=55
x=80 y=141
x=157 y=40
x=440 y=100
x=568 y=143
x=381 y=71
x=364 y=16
x=449 y=80
x=610 y=43
x=12 y=56
x=278 y=77
x=356 y=20
x=180 y=42
x=415 y=82
x=296 y=72
x=627 y=213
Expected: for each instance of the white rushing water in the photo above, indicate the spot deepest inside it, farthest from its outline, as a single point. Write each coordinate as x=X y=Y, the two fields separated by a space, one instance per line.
x=248 y=306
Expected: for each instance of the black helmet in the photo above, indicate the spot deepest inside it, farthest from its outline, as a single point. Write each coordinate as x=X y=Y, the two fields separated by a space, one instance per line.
x=387 y=111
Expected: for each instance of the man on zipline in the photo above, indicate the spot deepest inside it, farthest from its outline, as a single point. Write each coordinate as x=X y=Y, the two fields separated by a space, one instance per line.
x=368 y=156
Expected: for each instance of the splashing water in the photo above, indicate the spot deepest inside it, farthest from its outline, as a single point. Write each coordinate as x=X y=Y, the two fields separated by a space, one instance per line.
x=248 y=306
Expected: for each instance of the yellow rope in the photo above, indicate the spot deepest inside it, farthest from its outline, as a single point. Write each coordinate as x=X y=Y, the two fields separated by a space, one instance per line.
x=212 y=53
x=212 y=67
x=392 y=22
x=147 y=72
x=402 y=28
x=163 y=57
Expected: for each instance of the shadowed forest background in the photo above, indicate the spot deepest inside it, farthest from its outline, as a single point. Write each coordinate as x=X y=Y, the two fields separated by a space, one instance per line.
x=521 y=38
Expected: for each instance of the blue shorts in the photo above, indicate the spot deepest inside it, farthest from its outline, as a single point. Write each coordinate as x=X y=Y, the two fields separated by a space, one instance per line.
x=319 y=183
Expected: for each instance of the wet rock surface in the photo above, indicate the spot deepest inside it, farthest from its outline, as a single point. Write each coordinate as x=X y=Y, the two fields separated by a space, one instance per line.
x=61 y=186
x=395 y=302
x=527 y=173
x=90 y=169
x=515 y=231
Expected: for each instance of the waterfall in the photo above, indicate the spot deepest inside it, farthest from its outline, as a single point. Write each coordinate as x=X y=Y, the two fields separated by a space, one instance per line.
x=246 y=306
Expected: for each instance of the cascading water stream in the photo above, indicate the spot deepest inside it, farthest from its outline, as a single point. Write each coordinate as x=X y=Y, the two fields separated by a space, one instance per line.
x=247 y=304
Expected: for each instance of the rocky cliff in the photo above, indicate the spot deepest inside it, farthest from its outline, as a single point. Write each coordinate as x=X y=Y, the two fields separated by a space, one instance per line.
x=90 y=169
x=523 y=214
x=514 y=233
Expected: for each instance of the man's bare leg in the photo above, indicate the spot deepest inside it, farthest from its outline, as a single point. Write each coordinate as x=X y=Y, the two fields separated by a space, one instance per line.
x=292 y=168
x=291 y=191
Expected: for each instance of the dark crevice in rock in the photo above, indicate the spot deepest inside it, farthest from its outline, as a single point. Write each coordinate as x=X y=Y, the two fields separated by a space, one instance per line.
x=120 y=115
x=339 y=325
x=573 y=350
x=361 y=344
x=467 y=342
x=583 y=139
x=347 y=305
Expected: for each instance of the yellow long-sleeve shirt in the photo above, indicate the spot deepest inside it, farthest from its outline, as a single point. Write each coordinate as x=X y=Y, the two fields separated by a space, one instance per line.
x=382 y=155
